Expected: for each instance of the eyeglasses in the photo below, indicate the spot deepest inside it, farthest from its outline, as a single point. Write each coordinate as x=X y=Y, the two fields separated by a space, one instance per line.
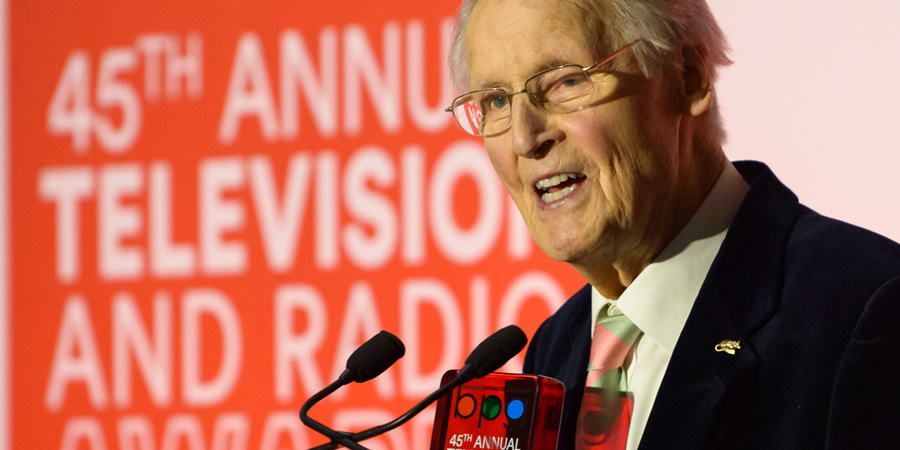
x=487 y=112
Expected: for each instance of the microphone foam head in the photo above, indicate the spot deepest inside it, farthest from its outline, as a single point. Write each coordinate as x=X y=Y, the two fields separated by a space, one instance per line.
x=496 y=350
x=374 y=357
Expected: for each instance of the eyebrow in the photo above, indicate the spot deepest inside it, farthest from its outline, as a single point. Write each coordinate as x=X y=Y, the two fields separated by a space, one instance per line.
x=548 y=64
x=555 y=62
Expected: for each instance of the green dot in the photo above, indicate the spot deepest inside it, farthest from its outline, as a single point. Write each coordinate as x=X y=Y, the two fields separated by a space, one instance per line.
x=490 y=409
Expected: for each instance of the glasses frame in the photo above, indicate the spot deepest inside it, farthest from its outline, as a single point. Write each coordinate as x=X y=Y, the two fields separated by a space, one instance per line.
x=534 y=98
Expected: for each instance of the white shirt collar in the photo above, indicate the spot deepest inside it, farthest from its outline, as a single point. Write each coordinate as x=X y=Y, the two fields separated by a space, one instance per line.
x=659 y=300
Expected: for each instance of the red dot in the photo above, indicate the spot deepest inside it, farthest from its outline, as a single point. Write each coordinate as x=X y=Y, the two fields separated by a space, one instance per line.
x=466 y=406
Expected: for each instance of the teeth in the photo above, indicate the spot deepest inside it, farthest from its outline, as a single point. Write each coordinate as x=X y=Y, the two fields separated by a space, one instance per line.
x=554 y=196
x=555 y=180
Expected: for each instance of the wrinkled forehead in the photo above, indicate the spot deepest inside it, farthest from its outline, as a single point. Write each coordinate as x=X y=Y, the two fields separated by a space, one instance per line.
x=509 y=40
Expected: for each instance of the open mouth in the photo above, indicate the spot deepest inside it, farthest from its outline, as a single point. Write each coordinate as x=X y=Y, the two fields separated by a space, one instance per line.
x=558 y=186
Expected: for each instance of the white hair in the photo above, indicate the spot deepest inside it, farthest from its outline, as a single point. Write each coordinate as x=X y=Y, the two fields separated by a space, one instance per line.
x=607 y=25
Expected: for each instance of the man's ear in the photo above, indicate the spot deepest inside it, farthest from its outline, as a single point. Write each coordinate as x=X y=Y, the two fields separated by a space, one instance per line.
x=695 y=77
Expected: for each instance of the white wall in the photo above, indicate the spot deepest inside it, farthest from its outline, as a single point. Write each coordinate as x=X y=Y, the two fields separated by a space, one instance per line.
x=815 y=93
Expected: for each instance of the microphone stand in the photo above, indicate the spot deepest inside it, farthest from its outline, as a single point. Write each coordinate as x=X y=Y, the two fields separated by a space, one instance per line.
x=342 y=438
x=461 y=377
x=487 y=356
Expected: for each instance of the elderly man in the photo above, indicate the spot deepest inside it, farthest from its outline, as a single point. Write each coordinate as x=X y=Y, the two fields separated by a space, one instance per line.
x=719 y=312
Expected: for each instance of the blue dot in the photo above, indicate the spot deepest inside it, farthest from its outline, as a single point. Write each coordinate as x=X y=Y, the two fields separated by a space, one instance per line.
x=515 y=409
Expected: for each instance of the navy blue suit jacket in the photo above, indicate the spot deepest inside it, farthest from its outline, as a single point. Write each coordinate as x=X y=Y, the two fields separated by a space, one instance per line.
x=815 y=304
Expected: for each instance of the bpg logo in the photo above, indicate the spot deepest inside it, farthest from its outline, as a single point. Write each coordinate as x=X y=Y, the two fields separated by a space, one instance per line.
x=491 y=407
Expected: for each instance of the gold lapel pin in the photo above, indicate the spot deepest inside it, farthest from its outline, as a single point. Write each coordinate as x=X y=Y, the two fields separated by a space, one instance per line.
x=728 y=346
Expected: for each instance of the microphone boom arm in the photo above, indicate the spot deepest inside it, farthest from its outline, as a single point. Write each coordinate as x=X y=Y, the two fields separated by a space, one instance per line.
x=460 y=378
x=335 y=436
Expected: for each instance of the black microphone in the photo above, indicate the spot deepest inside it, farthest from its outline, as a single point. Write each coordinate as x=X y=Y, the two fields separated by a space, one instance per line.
x=488 y=356
x=492 y=353
x=368 y=361
x=373 y=357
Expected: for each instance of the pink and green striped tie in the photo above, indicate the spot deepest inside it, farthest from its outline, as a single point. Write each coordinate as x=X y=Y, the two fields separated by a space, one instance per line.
x=606 y=407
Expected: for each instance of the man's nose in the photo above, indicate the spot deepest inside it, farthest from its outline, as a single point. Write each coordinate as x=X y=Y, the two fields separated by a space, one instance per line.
x=532 y=133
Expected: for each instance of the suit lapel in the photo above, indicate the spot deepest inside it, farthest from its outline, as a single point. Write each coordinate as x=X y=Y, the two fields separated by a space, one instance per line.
x=738 y=297
x=575 y=375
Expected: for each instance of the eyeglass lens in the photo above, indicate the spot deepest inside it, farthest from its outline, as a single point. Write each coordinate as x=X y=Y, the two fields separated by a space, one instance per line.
x=560 y=90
